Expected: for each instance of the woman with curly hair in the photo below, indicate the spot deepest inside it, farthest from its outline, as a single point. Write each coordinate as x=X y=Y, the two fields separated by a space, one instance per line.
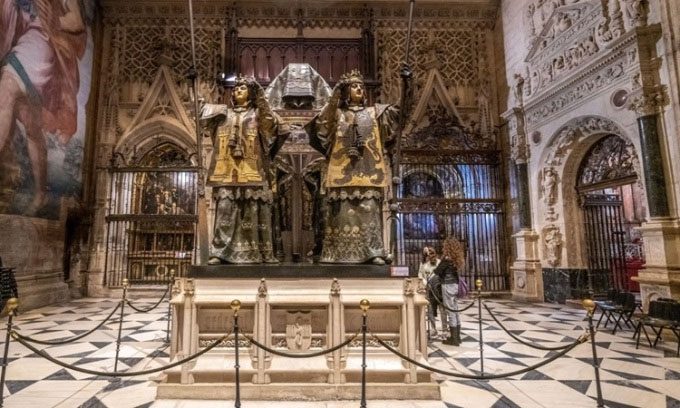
x=452 y=261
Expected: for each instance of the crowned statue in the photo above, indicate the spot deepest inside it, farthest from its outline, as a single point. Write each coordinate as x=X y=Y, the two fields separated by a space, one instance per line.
x=353 y=137
x=246 y=138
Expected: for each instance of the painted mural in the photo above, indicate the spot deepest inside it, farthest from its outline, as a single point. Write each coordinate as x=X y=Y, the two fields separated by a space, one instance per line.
x=45 y=70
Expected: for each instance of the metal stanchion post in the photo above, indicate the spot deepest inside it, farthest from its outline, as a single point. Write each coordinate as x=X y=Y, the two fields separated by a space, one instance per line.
x=478 y=285
x=172 y=281
x=10 y=307
x=365 y=305
x=589 y=305
x=235 y=306
x=126 y=283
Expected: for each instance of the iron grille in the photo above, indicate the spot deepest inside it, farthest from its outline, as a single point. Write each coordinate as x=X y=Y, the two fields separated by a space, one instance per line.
x=151 y=225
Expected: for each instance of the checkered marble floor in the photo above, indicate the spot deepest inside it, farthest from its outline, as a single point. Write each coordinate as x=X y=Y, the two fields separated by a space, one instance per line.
x=630 y=378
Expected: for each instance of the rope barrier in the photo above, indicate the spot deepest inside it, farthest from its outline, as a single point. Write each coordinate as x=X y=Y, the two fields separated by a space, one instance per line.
x=70 y=339
x=306 y=355
x=150 y=308
x=441 y=302
x=582 y=339
x=526 y=343
x=46 y=356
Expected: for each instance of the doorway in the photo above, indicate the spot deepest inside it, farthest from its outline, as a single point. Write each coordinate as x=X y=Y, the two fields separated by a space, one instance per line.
x=611 y=199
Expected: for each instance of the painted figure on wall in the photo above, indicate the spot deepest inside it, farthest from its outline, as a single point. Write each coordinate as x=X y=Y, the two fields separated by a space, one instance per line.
x=353 y=136
x=42 y=43
x=246 y=138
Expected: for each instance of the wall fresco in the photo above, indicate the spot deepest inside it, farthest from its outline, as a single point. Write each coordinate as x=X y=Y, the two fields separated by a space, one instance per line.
x=45 y=70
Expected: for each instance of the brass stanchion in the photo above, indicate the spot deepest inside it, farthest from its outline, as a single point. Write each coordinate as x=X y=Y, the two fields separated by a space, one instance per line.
x=126 y=283
x=589 y=305
x=172 y=282
x=235 y=306
x=10 y=308
x=478 y=285
x=365 y=305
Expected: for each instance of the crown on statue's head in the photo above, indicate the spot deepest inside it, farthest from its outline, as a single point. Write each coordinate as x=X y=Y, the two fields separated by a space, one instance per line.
x=352 y=76
x=243 y=80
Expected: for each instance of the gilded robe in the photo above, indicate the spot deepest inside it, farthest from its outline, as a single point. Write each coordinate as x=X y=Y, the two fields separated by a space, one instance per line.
x=354 y=186
x=245 y=142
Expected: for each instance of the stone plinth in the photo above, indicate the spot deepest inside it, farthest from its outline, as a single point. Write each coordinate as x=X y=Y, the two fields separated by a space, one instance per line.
x=527 y=277
x=661 y=274
x=298 y=315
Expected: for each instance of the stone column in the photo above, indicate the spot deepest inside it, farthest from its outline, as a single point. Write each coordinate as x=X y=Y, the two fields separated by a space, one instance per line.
x=661 y=233
x=652 y=164
x=527 y=275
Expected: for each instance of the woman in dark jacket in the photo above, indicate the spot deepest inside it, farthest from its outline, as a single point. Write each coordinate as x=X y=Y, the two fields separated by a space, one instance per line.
x=452 y=261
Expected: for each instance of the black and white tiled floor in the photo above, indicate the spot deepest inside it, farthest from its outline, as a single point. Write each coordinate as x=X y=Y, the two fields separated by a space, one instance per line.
x=630 y=378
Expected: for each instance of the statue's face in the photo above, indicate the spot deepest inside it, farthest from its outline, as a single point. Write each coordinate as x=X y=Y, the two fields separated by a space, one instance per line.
x=356 y=93
x=240 y=94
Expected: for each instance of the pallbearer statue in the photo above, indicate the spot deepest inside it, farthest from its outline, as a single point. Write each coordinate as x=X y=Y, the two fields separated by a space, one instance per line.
x=353 y=137
x=245 y=138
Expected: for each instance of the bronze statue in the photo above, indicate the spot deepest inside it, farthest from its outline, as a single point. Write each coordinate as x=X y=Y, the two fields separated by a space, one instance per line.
x=353 y=137
x=246 y=138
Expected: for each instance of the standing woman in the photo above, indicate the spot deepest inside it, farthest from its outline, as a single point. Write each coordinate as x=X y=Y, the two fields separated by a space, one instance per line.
x=434 y=291
x=453 y=260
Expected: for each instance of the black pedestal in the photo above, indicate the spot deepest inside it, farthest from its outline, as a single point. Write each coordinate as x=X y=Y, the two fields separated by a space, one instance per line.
x=290 y=270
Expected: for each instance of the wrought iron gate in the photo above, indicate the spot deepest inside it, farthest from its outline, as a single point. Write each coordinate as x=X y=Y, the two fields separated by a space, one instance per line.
x=459 y=195
x=605 y=242
x=151 y=220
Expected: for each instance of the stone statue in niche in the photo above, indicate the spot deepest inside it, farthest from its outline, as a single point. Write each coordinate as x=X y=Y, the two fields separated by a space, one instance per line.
x=549 y=186
x=246 y=138
x=353 y=137
x=552 y=244
x=518 y=89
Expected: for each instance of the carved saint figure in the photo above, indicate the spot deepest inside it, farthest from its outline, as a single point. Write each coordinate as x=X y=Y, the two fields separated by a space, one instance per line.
x=549 y=186
x=245 y=138
x=552 y=239
x=353 y=136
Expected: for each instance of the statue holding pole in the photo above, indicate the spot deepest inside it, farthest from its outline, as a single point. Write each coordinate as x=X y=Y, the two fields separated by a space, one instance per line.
x=353 y=137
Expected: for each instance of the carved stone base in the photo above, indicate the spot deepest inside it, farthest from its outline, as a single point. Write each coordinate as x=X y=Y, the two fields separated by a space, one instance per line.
x=527 y=276
x=302 y=315
x=661 y=275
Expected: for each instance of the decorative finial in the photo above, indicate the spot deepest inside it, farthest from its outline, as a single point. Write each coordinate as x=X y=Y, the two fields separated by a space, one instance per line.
x=478 y=284
x=365 y=305
x=589 y=305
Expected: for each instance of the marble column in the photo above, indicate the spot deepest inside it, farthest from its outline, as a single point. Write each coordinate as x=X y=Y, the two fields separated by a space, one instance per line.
x=661 y=232
x=523 y=200
x=652 y=163
x=527 y=274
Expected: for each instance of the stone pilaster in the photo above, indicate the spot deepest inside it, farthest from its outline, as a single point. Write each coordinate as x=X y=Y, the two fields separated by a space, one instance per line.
x=661 y=233
x=527 y=279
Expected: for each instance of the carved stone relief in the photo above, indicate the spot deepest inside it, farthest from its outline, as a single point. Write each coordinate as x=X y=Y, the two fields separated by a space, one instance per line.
x=552 y=244
x=572 y=55
x=549 y=186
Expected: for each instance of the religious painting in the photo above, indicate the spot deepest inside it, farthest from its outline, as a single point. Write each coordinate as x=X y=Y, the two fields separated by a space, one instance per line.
x=45 y=69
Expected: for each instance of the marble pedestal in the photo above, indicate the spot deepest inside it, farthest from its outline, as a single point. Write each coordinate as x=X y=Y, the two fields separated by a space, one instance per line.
x=298 y=315
x=661 y=274
x=527 y=275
